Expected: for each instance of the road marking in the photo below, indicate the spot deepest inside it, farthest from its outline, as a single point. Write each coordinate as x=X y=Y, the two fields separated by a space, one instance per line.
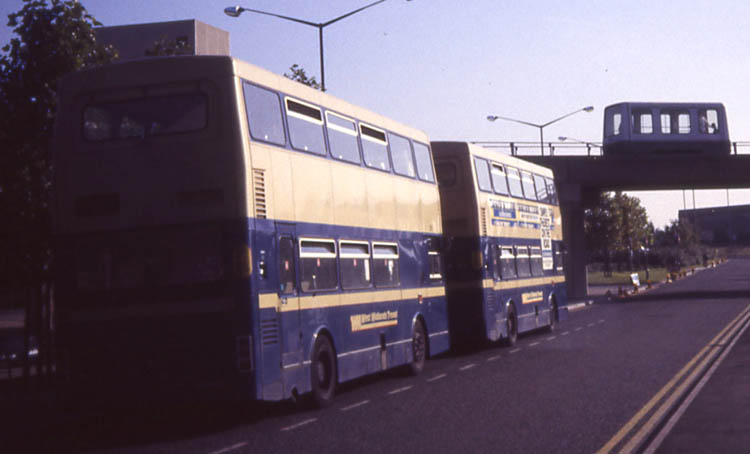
x=467 y=367
x=492 y=358
x=229 y=448
x=437 y=377
x=551 y=338
x=591 y=324
x=636 y=419
x=534 y=344
x=654 y=445
x=601 y=321
x=578 y=329
x=353 y=406
x=299 y=424
x=565 y=333
x=399 y=390
x=515 y=350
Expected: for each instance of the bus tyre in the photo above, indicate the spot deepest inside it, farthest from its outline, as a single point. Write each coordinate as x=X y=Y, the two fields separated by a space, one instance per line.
x=512 y=325
x=323 y=372
x=418 y=349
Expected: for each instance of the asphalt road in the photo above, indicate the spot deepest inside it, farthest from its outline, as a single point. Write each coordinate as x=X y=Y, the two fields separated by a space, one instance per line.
x=569 y=391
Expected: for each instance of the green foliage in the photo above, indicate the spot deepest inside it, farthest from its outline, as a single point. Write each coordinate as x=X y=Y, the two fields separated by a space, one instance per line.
x=52 y=38
x=298 y=74
x=617 y=224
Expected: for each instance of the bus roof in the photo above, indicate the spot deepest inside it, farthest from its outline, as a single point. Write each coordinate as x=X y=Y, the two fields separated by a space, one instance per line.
x=490 y=154
x=151 y=70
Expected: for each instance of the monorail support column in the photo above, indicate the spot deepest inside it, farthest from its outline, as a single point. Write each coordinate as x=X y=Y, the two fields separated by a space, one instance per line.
x=574 y=236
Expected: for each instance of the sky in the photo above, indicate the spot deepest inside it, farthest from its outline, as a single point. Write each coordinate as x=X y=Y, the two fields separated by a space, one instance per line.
x=443 y=66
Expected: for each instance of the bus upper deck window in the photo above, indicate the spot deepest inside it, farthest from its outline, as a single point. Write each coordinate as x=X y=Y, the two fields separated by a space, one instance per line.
x=305 y=126
x=374 y=147
x=483 y=175
x=424 y=162
x=263 y=109
x=401 y=155
x=514 y=181
x=499 y=182
x=342 y=138
x=528 y=185
x=541 y=189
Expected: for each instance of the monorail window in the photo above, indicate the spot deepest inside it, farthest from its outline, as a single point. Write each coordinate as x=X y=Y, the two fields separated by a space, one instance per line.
x=667 y=126
x=642 y=122
x=264 y=118
x=305 y=126
x=375 y=147
x=355 y=264
x=683 y=122
x=528 y=185
x=342 y=138
x=612 y=123
x=507 y=263
x=286 y=265
x=385 y=264
x=401 y=155
x=514 y=182
x=551 y=191
x=317 y=264
x=541 y=189
x=145 y=117
x=424 y=162
x=536 y=261
x=499 y=182
x=523 y=265
x=708 y=121
x=483 y=175
x=616 y=124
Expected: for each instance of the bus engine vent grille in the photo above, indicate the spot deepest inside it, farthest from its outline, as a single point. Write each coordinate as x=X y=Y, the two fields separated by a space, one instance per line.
x=259 y=188
x=491 y=306
x=269 y=331
x=483 y=222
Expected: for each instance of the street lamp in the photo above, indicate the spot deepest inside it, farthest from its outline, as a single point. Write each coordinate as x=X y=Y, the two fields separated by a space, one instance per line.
x=588 y=144
x=235 y=11
x=540 y=126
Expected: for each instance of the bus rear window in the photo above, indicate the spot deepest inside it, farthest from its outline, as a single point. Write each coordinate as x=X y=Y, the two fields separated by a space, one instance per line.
x=145 y=117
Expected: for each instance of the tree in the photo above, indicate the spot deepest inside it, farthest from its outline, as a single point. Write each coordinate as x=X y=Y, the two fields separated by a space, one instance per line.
x=53 y=38
x=164 y=47
x=617 y=223
x=298 y=74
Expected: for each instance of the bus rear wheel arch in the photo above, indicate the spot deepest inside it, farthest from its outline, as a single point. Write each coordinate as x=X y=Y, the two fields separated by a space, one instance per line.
x=323 y=376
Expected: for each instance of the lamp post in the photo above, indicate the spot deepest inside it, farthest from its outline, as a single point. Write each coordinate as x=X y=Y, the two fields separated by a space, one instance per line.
x=582 y=142
x=235 y=11
x=540 y=126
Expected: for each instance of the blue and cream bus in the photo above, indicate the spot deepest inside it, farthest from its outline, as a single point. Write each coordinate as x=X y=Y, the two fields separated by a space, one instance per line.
x=219 y=225
x=504 y=253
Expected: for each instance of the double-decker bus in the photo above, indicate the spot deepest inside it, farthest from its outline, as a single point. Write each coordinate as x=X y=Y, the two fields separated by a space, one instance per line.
x=218 y=225
x=504 y=255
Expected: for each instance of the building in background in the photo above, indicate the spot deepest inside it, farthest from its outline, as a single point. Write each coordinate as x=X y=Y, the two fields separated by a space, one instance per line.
x=191 y=36
x=720 y=225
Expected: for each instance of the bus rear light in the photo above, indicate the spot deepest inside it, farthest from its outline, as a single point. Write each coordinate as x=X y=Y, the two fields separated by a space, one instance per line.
x=244 y=349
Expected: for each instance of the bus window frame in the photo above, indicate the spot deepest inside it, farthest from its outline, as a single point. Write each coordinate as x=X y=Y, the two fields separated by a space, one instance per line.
x=384 y=142
x=380 y=256
x=501 y=169
x=282 y=122
x=317 y=255
x=354 y=133
x=302 y=117
x=364 y=256
x=431 y=178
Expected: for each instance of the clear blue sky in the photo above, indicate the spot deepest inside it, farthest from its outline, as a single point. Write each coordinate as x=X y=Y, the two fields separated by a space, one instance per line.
x=443 y=66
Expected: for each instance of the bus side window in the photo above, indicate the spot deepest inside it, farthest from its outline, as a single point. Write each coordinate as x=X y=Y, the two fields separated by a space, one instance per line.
x=434 y=259
x=287 y=273
x=317 y=265
x=522 y=261
x=424 y=162
x=507 y=262
x=305 y=126
x=264 y=114
x=385 y=264
x=536 y=261
x=401 y=155
x=354 y=259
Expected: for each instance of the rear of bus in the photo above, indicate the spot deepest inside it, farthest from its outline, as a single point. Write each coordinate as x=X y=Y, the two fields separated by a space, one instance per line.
x=151 y=226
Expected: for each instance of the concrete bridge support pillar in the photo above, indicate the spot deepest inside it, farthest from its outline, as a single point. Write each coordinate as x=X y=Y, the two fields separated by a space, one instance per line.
x=574 y=236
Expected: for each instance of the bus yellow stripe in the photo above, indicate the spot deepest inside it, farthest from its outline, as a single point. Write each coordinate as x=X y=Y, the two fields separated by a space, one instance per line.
x=520 y=283
x=271 y=300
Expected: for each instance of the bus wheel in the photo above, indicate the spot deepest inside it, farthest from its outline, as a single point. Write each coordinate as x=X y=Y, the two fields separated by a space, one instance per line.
x=418 y=348
x=512 y=324
x=323 y=372
x=552 y=315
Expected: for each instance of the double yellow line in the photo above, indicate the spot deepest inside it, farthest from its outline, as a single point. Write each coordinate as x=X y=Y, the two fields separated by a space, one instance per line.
x=674 y=392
